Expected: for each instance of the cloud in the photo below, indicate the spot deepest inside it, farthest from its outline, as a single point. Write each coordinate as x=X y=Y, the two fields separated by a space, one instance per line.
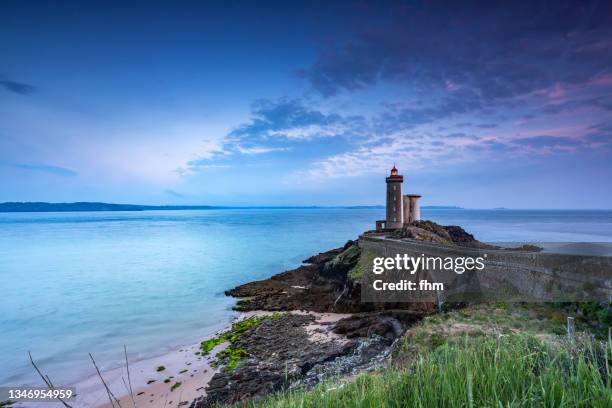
x=479 y=65
x=45 y=168
x=286 y=118
x=603 y=103
x=260 y=149
x=493 y=49
x=17 y=87
x=201 y=164
x=600 y=135
x=548 y=141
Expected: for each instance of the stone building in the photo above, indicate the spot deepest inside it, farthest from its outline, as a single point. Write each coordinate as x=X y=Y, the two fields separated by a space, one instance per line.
x=401 y=209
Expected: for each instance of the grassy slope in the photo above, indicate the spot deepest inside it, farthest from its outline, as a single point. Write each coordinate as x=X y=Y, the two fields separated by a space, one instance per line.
x=483 y=355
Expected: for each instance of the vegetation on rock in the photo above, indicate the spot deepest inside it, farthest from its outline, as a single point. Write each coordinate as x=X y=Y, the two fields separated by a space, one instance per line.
x=231 y=357
x=483 y=355
x=364 y=264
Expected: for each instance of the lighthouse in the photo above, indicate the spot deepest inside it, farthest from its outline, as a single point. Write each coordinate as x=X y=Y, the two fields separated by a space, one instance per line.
x=394 y=200
x=401 y=209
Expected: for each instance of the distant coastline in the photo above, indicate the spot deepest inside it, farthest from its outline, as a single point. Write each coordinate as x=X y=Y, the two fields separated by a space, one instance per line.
x=95 y=206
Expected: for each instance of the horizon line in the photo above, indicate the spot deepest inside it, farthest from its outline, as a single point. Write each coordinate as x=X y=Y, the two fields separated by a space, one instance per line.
x=152 y=207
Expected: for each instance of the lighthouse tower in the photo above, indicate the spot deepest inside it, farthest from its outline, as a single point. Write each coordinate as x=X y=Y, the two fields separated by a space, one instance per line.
x=394 y=200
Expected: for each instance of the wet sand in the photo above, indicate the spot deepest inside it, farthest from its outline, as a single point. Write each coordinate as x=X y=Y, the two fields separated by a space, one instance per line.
x=184 y=377
x=183 y=366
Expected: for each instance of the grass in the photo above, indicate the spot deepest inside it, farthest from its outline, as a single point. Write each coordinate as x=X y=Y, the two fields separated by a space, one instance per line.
x=364 y=265
x=495 y=355
x=515 y=370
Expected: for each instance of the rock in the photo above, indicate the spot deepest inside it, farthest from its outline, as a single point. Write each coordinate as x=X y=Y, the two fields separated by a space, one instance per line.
x=279 y=352
x=388 y=324
x=430 y=231
x=320 y=286
x=526 y=248
x=421 y=234
x=339 y=266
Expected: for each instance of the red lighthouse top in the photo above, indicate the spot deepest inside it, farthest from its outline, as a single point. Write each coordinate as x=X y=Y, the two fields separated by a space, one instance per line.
x=394 y=177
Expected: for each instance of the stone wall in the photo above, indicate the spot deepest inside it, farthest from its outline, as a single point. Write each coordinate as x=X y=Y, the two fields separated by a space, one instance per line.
x=512 y=275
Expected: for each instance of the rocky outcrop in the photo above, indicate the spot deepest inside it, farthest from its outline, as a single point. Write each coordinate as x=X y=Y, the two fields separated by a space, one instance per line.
x=320 y=285
x=388 y=325
x=429 y=231
x=279 y=355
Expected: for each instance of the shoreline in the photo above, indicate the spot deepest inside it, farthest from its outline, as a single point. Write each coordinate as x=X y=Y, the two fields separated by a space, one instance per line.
x=181 y=366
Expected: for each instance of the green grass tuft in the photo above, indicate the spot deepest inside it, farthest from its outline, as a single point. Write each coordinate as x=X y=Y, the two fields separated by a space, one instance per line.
x=514 y=370
x=364 y=265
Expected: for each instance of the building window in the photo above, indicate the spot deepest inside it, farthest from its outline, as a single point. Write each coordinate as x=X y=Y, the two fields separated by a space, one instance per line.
x=394 y=188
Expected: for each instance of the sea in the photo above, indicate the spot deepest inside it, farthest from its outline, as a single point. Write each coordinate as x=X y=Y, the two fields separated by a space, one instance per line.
x=92 y=282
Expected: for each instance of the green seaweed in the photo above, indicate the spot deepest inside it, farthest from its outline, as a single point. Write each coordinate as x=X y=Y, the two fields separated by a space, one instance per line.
x=232 y=356
x=235 y=332
x=175 y=386
x=160 y=368
x=207 y=345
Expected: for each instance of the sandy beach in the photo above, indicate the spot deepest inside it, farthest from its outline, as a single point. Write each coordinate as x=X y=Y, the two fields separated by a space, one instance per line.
x=185 y=374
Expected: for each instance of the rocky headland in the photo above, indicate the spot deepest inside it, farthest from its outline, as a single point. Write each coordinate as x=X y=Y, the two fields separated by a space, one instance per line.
x=294 y=347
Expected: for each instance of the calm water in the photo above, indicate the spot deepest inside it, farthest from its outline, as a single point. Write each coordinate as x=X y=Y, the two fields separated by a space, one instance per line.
x=74 y=283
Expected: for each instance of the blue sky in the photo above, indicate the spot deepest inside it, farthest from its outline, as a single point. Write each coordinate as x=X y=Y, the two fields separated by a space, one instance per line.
x=286 y=103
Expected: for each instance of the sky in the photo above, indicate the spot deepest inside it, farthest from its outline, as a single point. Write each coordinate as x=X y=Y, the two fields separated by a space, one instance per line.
x=479 y=105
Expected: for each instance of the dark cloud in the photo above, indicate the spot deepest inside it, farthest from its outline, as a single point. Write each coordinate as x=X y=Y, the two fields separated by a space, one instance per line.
x=604 y=103
x=17 y=87
x=600 y=134
x=460 y=102
x=497 y=50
